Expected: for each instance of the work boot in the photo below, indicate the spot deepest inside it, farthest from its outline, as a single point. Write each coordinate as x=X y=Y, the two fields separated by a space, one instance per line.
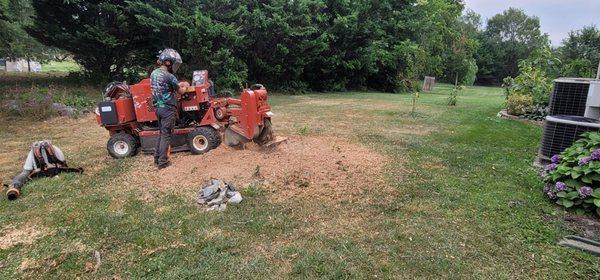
x=163 y=165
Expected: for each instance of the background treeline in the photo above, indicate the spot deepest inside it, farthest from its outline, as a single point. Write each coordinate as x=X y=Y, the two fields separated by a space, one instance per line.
x=322 y=45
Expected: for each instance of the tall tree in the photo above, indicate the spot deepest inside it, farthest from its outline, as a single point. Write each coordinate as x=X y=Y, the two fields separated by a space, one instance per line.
x=15 y=43
x=580 y=52
x=509 y=37
x=103 y=36
x=301 y=44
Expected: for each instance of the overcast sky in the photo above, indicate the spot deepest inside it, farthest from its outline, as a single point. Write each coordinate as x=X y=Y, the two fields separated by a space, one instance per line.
x=557 y=17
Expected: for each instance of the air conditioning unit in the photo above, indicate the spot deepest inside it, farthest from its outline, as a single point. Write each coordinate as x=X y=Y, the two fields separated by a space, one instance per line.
x=569 y=97
x=560 y=132
x=574 y=109
x=592 y=103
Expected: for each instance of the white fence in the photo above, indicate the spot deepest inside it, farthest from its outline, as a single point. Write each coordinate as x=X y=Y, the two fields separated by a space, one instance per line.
x=20 y=65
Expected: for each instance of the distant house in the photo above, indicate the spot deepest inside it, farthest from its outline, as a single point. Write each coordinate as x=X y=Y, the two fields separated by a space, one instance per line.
x=20 y=65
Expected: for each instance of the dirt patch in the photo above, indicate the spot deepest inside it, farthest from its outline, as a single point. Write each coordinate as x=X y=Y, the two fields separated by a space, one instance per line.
x=27 y=264
x=310 y=167
x=584 y=226
x=24 y=235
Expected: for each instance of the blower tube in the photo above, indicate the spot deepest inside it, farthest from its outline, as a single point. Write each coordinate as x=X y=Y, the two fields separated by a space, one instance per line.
x=14 y=190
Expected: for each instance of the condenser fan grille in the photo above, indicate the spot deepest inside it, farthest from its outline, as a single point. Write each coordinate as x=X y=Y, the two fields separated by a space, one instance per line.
x=560 y=132
x=569 y=98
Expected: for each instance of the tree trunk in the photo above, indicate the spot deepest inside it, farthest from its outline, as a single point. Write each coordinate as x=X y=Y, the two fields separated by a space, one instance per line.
x=28 y=65
x=456 y=80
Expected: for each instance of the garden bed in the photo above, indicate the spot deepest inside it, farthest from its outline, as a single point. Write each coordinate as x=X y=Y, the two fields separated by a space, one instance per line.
x=505 y=115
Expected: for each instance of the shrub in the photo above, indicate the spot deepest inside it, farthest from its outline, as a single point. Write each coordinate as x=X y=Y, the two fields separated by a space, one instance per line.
x=573 y=178
x=533 y=81
x=537 y=112
x=517 y=104
x=453 y=98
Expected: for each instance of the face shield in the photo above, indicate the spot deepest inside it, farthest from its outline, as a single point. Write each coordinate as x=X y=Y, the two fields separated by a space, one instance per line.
x=177 y=62
x=172 y=56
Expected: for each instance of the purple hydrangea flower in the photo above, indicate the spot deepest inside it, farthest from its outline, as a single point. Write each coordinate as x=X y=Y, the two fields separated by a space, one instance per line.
x=560 y=186
x=551 y=195
x=556 y=158
x=550 y=167
x=596 y=155
x=585 y=161
x=585 y=191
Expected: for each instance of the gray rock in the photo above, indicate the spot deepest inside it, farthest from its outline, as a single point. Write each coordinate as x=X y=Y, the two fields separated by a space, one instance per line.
x=216 y=194
x=63 y=109
x=236 y=198
x=14 y=106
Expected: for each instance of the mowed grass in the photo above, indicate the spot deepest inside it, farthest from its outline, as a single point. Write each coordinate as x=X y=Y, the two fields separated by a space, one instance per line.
x=61 y=66
x=469 y=204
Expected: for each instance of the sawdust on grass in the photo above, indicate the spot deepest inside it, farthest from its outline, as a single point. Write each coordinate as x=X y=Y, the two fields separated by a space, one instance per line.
x=304 y=167
x=24 y=235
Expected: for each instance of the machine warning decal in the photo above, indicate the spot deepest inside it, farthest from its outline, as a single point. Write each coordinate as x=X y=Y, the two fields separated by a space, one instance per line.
x=190 y=108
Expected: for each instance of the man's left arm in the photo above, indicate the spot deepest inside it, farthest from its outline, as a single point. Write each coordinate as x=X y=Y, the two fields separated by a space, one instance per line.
x=177 y=86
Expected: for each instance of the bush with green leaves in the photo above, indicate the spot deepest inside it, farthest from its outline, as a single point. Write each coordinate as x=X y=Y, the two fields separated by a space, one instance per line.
x=518 y=104
x=532 y=85
x=573 y=177
x=453 y=98
x=537 y=112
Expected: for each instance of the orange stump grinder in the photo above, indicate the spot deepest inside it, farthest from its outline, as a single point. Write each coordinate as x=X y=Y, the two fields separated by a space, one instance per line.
x=203 y=118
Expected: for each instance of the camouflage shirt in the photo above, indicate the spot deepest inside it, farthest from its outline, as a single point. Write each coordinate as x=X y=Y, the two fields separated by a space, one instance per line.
x=164 y=85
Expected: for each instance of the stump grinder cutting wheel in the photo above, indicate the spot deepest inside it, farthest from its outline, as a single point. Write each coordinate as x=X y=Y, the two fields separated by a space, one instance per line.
x=204 y=119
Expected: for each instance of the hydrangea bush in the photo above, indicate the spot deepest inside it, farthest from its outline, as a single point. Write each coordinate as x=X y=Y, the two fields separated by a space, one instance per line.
x=572 y=179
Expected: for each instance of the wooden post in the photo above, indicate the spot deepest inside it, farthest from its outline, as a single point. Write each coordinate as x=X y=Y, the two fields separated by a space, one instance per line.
x=428 y=83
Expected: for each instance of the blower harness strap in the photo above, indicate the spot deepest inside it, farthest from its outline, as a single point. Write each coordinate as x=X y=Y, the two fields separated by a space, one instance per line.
x=44 y=160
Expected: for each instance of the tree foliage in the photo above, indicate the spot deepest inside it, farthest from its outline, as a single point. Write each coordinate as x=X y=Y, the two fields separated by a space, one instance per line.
x=323 y=45
x=304 y=44
x=508 y=38
x=103 y=36
x=580 y=52
x=15 y=43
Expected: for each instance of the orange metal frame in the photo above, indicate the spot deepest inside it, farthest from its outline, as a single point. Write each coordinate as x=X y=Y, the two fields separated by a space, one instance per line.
x=244 y=115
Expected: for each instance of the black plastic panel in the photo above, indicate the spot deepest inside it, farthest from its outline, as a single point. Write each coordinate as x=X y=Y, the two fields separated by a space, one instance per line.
x=178 y=143
x=108 y=113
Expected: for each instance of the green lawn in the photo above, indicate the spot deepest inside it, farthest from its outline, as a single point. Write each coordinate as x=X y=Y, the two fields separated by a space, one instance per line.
x=467 y=204
x=60 y=66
